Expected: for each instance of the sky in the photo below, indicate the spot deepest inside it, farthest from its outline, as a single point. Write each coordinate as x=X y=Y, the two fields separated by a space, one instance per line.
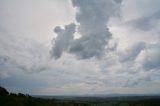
x=80 y=47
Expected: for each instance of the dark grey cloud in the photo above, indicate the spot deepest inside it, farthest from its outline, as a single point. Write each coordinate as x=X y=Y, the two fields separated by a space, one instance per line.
x=152 y=60
x=92 y=17
x=8 y=64
x=3 y=60
x=4 y=63
x=135 y=81
x=63 y=40
x=133 y=52
x=153 y=63
x=34 y=68
x=146 y=22
x=151 y=55
x=118 y=1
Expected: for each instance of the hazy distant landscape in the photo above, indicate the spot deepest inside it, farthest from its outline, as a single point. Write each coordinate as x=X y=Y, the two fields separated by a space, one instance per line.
x=12 y=99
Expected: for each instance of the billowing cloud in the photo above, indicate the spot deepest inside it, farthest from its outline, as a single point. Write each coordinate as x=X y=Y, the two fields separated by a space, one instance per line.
x=92 y=17
x=65 y=36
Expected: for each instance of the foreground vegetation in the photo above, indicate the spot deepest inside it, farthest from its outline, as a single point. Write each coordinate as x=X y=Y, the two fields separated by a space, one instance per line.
x=10 y=99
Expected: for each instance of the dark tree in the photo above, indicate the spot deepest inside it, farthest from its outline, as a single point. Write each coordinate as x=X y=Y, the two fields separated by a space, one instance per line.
x=3 y=91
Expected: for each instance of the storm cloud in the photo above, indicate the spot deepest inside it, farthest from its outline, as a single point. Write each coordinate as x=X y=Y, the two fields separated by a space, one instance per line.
x=92 y=17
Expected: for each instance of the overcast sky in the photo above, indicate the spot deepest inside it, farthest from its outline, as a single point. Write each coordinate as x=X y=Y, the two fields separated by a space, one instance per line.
x=76 y=47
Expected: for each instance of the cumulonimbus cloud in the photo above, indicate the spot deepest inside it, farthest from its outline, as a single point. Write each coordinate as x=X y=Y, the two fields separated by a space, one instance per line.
x=92 y=17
